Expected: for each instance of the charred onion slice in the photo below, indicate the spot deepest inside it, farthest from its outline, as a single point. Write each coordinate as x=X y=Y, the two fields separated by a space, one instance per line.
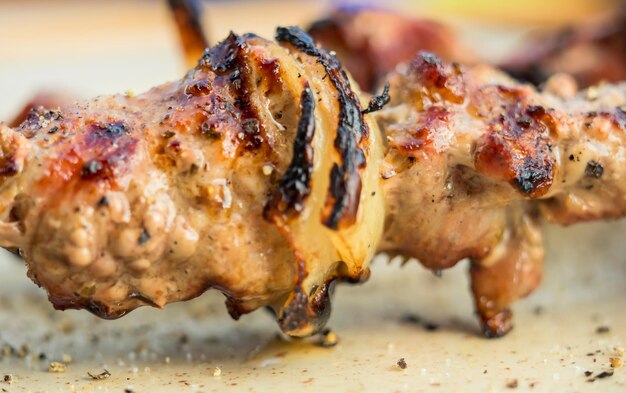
x=328 y=207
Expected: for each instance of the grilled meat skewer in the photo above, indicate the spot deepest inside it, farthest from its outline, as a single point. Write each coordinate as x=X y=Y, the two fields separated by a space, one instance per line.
x=258 y=174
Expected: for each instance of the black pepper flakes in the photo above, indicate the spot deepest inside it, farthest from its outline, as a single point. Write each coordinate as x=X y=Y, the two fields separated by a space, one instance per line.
x=210 y=131
x=602 y=375
x=102 y=202
x=402 y=363
x=602 y=329
x=605 y=374
x=594 y=169
x=168 y=134
x=8 y=378
x=144 y=237
x=91 y=168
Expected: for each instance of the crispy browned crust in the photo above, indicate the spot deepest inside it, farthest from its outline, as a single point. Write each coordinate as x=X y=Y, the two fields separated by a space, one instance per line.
x=474 y=156
x=516 y=147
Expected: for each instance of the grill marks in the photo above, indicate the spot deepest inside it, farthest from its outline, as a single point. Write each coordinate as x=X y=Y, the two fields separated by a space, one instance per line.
x=345 y=183
x=516 y=148
x=295 y=185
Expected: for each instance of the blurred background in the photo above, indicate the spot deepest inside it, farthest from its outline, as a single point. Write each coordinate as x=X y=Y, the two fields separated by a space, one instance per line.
x=89 y=47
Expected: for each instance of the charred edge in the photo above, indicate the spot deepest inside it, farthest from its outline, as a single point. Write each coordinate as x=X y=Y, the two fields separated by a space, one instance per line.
x=295 y=185
x=224 y=56
x=235 y=307
x=298 y=38
x=526 y=129
x=343 y=199
x=228 y=60
x=95 y=307
x=532 y=174
x=378 y=102
x=304 y=315
x=537 y=171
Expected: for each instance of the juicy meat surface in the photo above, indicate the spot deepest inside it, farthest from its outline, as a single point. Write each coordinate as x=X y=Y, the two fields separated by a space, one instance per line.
x=371 y=43
x=248 y=175
x=261 y=174
x=475 y=159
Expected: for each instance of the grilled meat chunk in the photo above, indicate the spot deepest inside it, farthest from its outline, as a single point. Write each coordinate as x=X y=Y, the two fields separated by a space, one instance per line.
x=252 y=175
x=474 y=159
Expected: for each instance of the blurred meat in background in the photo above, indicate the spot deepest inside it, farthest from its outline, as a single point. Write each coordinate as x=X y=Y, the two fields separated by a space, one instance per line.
x=371 y=43
x=136 y=41
x=591 y=52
